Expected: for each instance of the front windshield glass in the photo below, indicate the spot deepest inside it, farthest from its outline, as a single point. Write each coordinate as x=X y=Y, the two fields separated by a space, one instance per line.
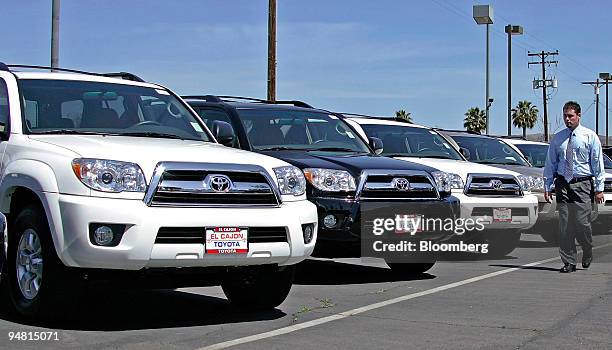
x=607 y=162
x=284 y=129
x=407 y=141
x=536 y=154
x=80 y=107
x=487 y=150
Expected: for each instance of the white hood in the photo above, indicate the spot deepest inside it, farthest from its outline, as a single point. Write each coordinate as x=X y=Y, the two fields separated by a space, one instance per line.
x=147 y=152
x=459 y=167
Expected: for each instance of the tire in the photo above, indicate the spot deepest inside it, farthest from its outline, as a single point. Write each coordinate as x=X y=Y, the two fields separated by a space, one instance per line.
x=407 y=269
x=258 y=288
x=52 y=291
x=503 y=242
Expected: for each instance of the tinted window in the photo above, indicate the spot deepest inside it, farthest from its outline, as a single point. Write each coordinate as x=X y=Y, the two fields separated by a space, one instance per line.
x=536 y=154
x=296 y=129
x=4 y=104
x=90 y=107
x=411 y=142
x=607 y=162
x=487 y=150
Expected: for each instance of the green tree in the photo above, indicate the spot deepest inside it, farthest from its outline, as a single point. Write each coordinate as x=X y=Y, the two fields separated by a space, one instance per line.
x=402 y=114
x=524 y=115
x=475 y=120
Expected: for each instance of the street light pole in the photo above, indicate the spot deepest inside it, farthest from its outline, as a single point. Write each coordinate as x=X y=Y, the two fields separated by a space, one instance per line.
x=487 y=104
x=483 y=14
x=511 y=30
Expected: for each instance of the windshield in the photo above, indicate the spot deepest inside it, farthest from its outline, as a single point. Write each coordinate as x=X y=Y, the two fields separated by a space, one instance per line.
x=407 y=141
x=279 y=129
x=607 y=161
x=536 y=154
x=80 y=107
x=489 y=151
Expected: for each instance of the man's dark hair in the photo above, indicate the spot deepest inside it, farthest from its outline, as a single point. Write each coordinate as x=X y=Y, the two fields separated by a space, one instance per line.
x=572 y=105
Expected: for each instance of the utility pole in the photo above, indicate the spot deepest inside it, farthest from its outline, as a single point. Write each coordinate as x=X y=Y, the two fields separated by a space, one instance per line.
x=544 y=83
x=606 y=77
x=55 y=21
x=272 y=50
x=596 y=85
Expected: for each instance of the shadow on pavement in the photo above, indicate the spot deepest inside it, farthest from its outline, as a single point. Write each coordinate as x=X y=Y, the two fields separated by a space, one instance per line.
x=107 y=310
x=537 y=268
x=461 y=256
x=537 y=244
x=324 y=272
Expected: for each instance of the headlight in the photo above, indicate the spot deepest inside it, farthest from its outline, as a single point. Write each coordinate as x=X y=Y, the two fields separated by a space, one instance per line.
x=109 y=175
x=290 y=180
x=447 y=181
x=531 y=183
x=330 y=180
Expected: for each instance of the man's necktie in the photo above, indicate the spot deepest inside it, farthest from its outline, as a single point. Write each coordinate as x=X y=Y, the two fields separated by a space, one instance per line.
x=569 y=159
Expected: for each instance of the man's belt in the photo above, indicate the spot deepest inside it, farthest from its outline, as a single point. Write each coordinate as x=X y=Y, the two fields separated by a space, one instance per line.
x=577 y=179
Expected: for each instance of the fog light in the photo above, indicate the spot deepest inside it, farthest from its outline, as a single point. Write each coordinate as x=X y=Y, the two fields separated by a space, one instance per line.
x=308 y=232
x=330 y=221
x=103 y=235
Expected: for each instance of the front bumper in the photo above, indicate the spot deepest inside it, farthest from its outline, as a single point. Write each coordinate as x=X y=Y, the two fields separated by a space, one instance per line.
x=524 y=210
x=70 y=217
x=344 y=239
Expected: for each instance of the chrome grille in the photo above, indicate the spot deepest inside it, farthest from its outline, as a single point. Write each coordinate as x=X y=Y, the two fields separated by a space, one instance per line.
x=396 y=184
x=492 y=185
x=212 y=185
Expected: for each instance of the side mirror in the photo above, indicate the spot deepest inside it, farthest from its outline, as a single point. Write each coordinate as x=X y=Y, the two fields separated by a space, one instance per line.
x=376 y=144
x=465 y=152
x=223 y=132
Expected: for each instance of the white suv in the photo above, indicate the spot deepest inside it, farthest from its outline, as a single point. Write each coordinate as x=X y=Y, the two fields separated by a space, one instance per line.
x=102 y=174
x=500 y=198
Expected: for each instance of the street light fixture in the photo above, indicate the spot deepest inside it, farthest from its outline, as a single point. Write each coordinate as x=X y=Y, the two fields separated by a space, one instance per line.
x=511 y=30
x=483 y=14
x=606 y=77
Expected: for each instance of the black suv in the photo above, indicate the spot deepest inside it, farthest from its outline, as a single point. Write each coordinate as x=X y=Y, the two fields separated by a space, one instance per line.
x=343 y=172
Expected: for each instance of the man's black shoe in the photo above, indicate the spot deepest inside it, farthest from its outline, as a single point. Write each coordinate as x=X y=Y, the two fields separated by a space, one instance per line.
x=586 y=261
x=568 y=268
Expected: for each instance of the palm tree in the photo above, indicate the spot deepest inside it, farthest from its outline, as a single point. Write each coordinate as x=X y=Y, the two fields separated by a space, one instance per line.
x=402 y=114
x=475 y=120
x=524 y=115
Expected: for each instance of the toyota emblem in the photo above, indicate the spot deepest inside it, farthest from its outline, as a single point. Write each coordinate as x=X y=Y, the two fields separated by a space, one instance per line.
x=400 y=184
x=496 y=184
x=220 y=183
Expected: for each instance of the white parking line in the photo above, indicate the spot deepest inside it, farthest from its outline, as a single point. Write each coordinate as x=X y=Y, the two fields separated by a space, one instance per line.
x=345 y=314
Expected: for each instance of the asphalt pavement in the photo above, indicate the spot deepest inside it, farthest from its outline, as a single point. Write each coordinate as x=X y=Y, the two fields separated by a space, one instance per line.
x=516 y=302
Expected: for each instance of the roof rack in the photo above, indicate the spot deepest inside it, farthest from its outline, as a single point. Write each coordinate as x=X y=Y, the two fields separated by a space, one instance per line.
x=207 y=98
x=227 y=98
x=123 y=75
x=464 y=131
x=395 y=119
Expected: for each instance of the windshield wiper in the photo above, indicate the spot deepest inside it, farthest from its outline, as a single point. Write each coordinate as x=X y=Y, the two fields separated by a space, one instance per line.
x=501 y=163
x=280 y=148
x=70 y=132
x=151 y=134
x=334 y=149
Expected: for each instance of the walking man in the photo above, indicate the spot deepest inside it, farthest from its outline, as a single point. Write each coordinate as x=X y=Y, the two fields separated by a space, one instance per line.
x=575 y=166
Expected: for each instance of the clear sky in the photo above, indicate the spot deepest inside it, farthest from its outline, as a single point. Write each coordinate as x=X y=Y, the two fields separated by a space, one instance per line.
x=370 y=57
